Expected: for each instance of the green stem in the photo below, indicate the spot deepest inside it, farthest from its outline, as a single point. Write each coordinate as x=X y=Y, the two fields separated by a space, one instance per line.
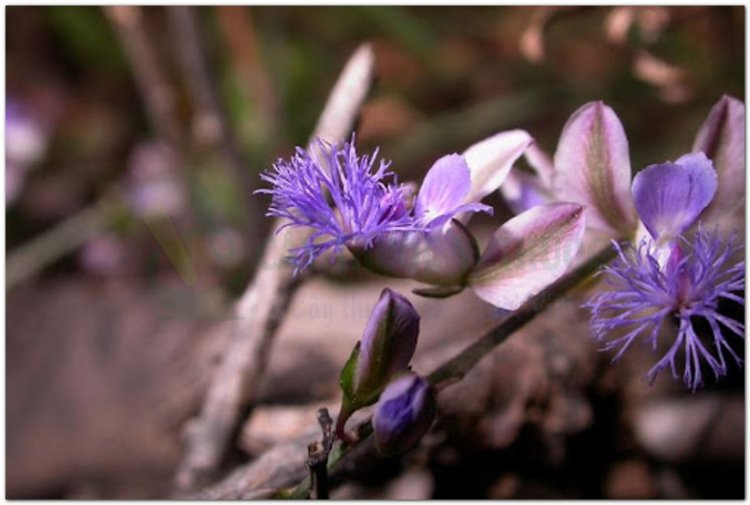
x=457 y=367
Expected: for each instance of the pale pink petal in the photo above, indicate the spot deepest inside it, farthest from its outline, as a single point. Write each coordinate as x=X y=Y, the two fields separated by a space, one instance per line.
x=541 y=163
x=592 y=167
x=528 y=253
x=722 y=138
x=491 y=159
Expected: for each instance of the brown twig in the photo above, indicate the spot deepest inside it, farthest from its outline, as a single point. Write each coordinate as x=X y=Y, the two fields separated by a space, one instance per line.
x=317 y=457
x=261 y=308
x=154 y=87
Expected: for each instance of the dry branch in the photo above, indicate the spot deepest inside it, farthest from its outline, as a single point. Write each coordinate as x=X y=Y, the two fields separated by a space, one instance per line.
x=261 y=308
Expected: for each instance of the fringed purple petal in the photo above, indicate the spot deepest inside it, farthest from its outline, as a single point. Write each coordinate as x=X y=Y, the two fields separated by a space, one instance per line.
x=642 y=299
x=343 y=197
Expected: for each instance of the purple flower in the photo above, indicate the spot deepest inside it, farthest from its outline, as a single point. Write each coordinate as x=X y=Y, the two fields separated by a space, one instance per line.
x=673 y=275
x=645 y=298
x=25 y=145
x=351 y=200
x=403 y=415
x=592 y=166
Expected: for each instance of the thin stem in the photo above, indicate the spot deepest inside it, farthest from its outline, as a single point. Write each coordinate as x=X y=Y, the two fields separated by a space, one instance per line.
x=457 y=367
x=64 y=238
x=318 y=456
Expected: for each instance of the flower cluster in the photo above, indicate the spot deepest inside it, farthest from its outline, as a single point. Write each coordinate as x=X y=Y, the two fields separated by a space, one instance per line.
x=683 y=265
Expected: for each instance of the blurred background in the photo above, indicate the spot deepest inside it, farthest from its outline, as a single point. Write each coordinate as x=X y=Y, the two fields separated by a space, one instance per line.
x=134 y=139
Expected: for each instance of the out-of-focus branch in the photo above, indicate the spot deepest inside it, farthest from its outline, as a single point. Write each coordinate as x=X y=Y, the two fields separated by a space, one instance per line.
x=60 y=240
x=262 y=306
x=155 y=89
x=160 y=102
x=237 y=28
x=211 y=125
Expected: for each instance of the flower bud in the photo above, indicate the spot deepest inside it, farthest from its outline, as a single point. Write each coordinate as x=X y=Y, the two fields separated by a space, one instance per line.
x=444 y=256
x=722 y=139
x=387 y=346
x=404 y=414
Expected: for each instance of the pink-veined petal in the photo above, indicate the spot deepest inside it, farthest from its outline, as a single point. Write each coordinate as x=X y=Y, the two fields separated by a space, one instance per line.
x=528 y=253
x=592 y=167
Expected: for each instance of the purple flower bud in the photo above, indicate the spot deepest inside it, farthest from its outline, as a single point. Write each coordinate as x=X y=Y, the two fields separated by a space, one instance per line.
x=722 y=139
x=403 y=415
x=388 y=342
x=387 y=346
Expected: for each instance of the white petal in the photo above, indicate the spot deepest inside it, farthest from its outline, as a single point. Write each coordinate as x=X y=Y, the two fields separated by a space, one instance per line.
x=491 y=159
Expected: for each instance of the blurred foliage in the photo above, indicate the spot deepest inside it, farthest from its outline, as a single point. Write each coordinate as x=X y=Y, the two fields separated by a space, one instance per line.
x=446 y=77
